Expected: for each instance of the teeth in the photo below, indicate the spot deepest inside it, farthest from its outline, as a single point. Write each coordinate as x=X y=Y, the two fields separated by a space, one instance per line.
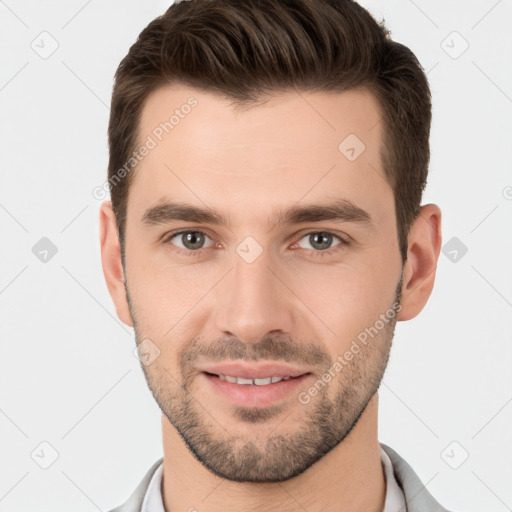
x=258 y=382
x=263 y=382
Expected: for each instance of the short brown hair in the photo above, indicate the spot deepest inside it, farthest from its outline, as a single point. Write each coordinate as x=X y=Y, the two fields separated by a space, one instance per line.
x=245 y=50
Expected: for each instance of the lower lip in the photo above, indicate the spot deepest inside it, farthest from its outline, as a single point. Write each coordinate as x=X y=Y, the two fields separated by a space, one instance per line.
x=247 y=395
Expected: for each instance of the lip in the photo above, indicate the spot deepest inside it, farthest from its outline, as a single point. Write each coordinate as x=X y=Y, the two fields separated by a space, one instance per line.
x=259 y=371
x=244 y=395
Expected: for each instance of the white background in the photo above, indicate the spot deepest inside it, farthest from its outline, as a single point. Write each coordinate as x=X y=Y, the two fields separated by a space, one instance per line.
x=68 y=374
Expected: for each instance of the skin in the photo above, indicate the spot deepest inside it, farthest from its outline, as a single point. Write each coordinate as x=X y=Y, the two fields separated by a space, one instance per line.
x=288 y=303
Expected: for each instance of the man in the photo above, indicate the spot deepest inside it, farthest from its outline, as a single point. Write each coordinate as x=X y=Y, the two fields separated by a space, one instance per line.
x=264 y=236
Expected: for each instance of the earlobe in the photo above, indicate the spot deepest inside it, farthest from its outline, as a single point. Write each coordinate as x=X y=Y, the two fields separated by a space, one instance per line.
x=111 y=261
x=424 y=246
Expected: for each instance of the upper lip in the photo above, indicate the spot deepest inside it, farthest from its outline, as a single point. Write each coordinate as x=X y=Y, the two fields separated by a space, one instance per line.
x=259 y=371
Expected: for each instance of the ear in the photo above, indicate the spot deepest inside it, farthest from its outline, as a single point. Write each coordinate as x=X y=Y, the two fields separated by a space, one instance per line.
x=111 y=262
x=424 y=246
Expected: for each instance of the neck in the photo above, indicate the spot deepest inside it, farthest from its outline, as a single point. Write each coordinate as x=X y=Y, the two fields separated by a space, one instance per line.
x=350 y=477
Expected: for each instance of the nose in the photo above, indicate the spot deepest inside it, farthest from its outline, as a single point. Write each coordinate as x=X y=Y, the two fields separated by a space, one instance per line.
x=253 y=302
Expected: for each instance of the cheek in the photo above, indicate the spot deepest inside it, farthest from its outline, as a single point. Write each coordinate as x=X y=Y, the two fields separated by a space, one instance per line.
x=166 y=298
x=347 y=299
x=158 y=281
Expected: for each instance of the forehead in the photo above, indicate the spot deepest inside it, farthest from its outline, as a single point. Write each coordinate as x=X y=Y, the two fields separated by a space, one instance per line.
x=294 y=146
x=305 y=122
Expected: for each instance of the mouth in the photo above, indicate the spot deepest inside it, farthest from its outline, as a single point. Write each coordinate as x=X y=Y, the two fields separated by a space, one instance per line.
x=263 y=381
x=253 y=392
x=241 y=370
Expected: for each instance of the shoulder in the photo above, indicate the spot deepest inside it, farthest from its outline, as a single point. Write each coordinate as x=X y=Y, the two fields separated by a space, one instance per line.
x=134 y=502
x=417 y=497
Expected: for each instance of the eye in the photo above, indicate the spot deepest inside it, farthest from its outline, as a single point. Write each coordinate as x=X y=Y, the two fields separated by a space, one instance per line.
x=192 y=241
x=321 y=241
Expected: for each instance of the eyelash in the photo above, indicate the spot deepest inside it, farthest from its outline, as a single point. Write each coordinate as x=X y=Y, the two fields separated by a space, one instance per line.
x=320 y=254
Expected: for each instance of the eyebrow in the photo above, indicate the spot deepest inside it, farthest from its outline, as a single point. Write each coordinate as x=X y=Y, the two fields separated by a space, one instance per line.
x=341 y=210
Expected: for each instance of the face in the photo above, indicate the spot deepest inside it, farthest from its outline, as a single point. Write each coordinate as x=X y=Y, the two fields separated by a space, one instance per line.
x=257 y=246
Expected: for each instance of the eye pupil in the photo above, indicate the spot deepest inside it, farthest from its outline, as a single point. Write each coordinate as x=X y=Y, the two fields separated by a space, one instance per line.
x=325 y=240
x=190 y=240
